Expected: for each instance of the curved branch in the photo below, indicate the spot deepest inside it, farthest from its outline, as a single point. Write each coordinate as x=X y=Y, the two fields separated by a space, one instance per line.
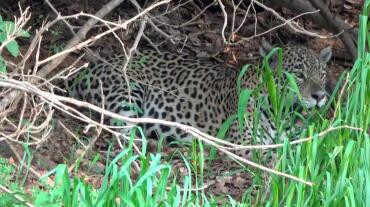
x=300 y=6
x=335 y=25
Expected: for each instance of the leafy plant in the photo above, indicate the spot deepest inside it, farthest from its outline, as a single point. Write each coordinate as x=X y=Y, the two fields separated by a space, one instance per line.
x=8 y=33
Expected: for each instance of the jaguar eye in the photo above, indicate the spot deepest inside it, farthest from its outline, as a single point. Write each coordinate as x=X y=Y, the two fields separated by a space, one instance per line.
x=300 y=76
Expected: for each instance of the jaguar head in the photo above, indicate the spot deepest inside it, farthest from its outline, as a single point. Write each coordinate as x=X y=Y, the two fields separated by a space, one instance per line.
x=308 y=67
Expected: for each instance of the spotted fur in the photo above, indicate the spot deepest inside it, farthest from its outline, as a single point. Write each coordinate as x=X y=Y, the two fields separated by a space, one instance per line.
x=193 y=91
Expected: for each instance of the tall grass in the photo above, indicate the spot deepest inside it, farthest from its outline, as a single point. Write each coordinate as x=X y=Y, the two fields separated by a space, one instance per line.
x=338 y=163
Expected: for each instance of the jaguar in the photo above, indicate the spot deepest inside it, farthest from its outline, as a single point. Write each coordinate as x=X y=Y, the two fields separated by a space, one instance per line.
x=195 y=91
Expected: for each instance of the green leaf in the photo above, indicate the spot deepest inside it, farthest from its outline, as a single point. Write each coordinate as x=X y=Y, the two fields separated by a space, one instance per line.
x=293 y=85
x=8 y=27
x=13 y=48
x=225 y=127
x=23 y=33
x=240 y=77
x=242 y=105
x=2 y=37
x=269 y=77
x=2 y=66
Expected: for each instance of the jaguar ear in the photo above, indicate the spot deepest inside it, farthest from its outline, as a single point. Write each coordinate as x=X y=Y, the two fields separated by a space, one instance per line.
x=265 y=49
x=325 y=54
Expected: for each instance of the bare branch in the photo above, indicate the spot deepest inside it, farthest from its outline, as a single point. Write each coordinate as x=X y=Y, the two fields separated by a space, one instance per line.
x=58 y=102
x=335 y=25
x=72 y=44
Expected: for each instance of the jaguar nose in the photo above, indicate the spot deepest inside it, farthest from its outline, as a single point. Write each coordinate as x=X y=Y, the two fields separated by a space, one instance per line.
x=318 y=95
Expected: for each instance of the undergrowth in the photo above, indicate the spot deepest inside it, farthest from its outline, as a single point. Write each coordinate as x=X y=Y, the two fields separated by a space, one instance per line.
x=337 y=162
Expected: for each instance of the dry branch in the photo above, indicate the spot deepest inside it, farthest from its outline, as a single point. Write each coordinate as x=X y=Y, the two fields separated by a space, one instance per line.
x=14 y=96
x=81 y=34
x=332 y=24
x=291 y=23
x=59 y=102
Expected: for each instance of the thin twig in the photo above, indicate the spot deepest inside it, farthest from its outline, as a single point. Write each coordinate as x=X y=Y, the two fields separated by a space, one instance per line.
x=58 y=100
x=3 y=188
x=20 y=161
